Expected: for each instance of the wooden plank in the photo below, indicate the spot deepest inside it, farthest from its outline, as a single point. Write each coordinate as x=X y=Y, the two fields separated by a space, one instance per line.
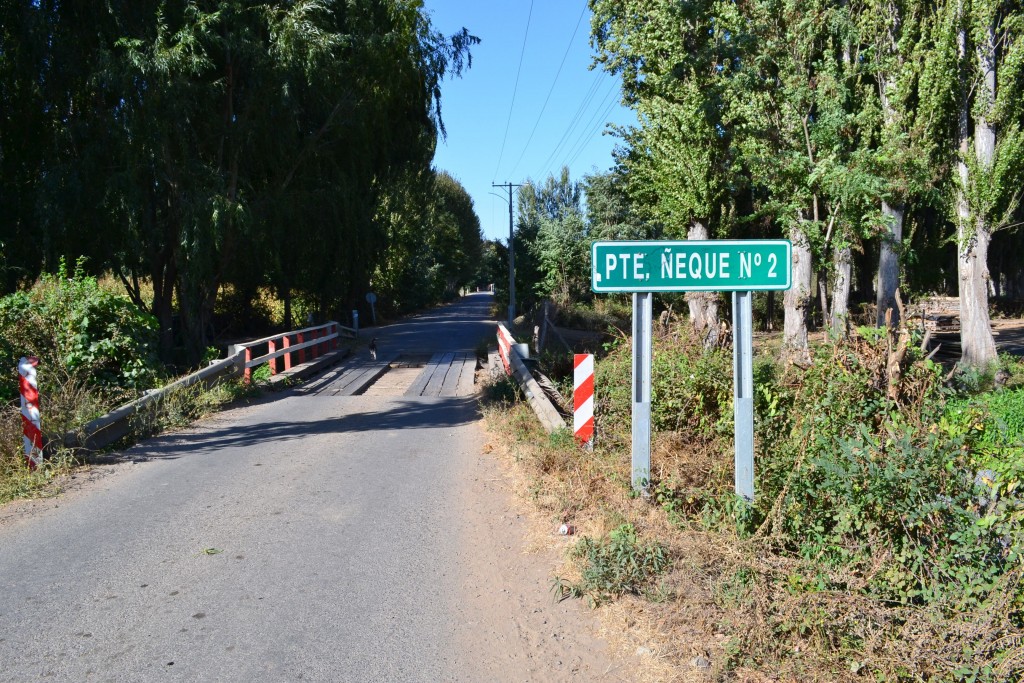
x=324 y=382
x=338 y=387
x=420 y=383
x=365 y=378
x=444 y=366
x=352 y=381
x=451 y=380
x=466 y=386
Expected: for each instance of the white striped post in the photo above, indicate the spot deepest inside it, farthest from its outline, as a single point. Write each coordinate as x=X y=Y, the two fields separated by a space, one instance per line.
x=30 y=425
x=583 y=397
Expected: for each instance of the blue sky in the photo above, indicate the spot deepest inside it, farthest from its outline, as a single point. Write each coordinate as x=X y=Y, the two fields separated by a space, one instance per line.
x=568 y=130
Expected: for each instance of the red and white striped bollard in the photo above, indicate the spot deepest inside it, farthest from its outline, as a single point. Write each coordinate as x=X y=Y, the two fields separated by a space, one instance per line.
x=583 y=397
x=30 y=425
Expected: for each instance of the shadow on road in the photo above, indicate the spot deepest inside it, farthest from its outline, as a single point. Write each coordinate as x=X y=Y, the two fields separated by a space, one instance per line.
x=405 y=414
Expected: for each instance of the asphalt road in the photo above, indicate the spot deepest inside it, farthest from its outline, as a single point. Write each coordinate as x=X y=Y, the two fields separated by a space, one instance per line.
x=304 y=537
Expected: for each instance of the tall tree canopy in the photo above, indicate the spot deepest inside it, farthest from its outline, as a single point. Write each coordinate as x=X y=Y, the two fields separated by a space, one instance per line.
x=192 y=144
x=824 y=122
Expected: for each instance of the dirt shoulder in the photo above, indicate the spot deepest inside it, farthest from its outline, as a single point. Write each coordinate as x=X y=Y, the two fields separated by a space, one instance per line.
x=512 y=625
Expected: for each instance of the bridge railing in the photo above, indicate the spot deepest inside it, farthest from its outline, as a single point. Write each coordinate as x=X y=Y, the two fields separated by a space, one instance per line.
x=512 y=358
x=294 y=347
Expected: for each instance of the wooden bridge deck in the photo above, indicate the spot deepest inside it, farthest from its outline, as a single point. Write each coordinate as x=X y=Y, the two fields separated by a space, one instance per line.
x=445 y=374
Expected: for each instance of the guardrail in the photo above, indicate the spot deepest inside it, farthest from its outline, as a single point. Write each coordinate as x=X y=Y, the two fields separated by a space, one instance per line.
x=550 y=419
x=302 y=345
x=103 y=431
x=294 y=345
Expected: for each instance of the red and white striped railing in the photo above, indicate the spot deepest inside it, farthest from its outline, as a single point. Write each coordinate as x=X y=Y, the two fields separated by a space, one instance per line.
x=295 y=347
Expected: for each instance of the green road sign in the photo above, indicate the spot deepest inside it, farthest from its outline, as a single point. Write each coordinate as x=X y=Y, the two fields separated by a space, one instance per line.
x=691 y=265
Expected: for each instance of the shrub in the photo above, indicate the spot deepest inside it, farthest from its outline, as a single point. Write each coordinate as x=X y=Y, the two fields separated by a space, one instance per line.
x=73 y=325
x=691 y=387
x=614 y=566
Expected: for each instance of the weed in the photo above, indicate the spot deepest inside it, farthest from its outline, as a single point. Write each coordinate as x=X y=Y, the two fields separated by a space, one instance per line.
x=181 y=407
x=505 y=390
x=613 y=566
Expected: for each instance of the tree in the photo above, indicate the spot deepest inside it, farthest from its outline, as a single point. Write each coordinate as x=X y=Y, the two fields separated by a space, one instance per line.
x=558 y=200
x=224 y=141
x=679 y=159
x=989 y=113
x=610 y=214
x=434 y=242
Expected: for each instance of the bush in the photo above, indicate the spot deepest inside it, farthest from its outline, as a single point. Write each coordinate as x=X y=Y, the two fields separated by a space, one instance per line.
x=80 y=330
x=691 y=387
x=898 y=513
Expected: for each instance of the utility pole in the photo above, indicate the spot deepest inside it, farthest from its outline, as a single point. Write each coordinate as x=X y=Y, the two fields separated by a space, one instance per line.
x=511 y=256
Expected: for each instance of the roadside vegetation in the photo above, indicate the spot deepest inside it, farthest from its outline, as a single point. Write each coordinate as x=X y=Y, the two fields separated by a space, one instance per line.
x=98 y=351
x=885 y=542
x=231 y=150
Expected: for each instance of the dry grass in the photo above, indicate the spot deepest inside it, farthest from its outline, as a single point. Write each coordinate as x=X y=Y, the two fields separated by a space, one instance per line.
x=17 y=481
x=734 y=609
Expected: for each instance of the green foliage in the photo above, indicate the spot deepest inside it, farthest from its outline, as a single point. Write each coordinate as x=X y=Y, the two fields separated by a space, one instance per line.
x=180 y=408
x=78 y=329
x=549 y=227
x=504 y=390
x=691 y=387
x=18 y=481
x=435 y=246
x=879 y=495
x=563 y=250
x=226 y=142
x=897 y=508
x=614 y=566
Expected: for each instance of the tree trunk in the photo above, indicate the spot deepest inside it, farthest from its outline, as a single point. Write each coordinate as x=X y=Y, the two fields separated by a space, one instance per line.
x=797 y=298
x=703 y=305
x=195 y=305
x=822 y=298
x=839 y=320
x=977 y=345
x=164 y=275
x=889 y=264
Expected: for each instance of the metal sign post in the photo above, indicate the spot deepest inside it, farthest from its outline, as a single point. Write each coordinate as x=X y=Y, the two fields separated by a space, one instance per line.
x=738 y=266
x=743 y=391
x=642 y=353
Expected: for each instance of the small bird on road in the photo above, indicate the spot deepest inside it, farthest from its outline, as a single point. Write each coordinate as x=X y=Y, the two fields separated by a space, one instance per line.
x=373 y=349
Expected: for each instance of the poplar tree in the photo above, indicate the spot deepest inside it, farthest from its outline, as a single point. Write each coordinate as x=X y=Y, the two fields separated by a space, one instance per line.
x=674 y=62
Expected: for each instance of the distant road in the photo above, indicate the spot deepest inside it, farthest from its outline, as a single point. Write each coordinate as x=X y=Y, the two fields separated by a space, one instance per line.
x=304 y=537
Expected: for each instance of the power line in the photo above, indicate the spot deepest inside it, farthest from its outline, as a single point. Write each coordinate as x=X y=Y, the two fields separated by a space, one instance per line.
x=557 y=150
x=515 y=89
x=573 y=122
x=600 y=123
x=551 y=89
x=595 y=123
